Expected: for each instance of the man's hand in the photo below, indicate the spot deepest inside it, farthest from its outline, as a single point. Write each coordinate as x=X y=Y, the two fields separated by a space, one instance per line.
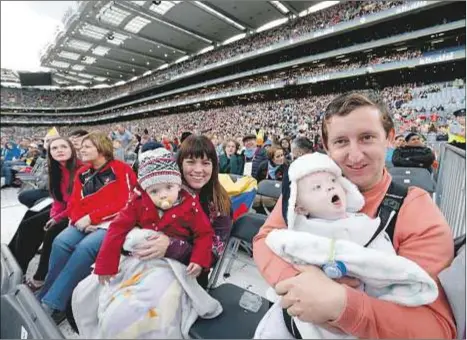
x=50 y=223
x=154 y=248
x=83 y=222
x=312 y=296
x=193 y=269
x=103 y=279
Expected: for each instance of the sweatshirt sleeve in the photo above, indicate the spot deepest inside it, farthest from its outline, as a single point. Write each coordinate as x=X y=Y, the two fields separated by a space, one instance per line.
x=203 y=238
x=428 y=242
x=272 y=267
x=59 y=210
x=108 y=258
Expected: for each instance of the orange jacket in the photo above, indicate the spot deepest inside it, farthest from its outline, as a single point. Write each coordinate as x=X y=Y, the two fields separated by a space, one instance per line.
x=421 y=235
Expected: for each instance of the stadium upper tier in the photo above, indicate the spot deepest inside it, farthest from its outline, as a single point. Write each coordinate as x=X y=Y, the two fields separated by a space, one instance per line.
x=339 y=19
x=380 y=62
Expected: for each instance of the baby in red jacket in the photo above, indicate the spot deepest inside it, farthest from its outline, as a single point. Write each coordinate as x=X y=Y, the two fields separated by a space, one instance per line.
x=162 y=206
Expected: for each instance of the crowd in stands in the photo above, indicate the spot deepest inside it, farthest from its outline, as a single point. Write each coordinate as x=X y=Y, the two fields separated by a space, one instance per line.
x=287 y=75
x=298 y=27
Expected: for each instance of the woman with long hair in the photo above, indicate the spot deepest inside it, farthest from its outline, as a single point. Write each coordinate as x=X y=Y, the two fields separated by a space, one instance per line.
x=100 y=190
x=44 y=226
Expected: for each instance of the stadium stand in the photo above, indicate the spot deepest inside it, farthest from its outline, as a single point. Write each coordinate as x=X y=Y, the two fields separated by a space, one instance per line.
x=165 y=69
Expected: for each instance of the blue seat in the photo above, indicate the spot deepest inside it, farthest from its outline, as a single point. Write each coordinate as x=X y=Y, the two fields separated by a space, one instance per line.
x=418 y=177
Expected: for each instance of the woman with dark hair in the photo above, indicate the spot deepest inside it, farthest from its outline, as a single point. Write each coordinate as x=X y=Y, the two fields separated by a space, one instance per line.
x=197 y=160
x=285 y=145
x=230 y=162
x=44 y=226
x=100 y=190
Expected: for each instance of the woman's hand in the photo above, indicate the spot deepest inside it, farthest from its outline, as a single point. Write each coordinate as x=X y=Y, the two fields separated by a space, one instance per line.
x=154 y=248
x=90 y=228
x=50 y=223
x=83 y=222
x=193 y=269
x=103 y=279
x=312 y=296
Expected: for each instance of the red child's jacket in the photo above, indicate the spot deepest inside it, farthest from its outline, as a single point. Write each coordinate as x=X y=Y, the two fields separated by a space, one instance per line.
x=185 y=221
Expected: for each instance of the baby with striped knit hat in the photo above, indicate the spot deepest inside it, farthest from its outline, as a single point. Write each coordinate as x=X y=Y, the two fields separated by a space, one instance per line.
x=163 y=206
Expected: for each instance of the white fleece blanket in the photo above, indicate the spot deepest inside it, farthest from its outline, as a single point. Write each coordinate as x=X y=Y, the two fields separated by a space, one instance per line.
x=384 y=274
x=152 y=299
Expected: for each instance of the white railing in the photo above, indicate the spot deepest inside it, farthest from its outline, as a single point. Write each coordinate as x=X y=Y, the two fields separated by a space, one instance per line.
x=450 y=188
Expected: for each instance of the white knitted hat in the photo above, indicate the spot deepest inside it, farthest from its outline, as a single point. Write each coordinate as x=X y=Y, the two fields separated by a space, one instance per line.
x=158 y=166
x=318 y=162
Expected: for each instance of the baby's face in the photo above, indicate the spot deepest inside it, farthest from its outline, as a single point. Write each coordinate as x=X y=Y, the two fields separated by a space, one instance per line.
x=321 y=195
x=163 y=195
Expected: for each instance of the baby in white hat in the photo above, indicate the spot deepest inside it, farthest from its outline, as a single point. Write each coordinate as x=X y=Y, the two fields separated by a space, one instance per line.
x=324 y=229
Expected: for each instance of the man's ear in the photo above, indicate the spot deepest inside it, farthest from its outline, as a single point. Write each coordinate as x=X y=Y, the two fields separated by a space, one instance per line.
x=391 y=138
x=300 y=210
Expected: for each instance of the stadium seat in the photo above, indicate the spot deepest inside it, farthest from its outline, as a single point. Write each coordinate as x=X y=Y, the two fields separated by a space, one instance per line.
x=418 y=177
x=235 y=322
x=11 y=273
x=269 y=189
x=23 y=317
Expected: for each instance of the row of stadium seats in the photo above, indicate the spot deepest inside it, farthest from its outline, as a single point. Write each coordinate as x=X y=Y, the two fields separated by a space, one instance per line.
x=22 y=317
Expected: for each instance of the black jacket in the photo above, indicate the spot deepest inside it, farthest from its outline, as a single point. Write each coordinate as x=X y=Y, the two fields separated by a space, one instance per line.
x=263 y=172
x=413 y=157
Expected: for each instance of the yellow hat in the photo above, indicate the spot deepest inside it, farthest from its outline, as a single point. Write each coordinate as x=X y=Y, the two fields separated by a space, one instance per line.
x=52 y=133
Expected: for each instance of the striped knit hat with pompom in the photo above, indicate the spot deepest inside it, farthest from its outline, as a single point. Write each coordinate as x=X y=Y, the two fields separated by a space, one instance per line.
x=158 y=166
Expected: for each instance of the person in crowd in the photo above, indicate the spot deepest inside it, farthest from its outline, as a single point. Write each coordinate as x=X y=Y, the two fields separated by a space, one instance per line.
x=274 y=167
x=119 y=151
x=101 y=189
x=44 y=226
x=229 y=161
x=285 y=145
x=184 y=136
x=76 y=138
x=357 y=127
x=300 y=146
x=457 y=130
x=123 y=135
x=414 y=155
x=10 y=157
x=431 y=134
x=249 y=153
x=399 y=141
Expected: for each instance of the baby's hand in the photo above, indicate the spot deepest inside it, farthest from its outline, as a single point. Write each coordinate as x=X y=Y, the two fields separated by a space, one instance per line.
x=193 y=269
x=103 y=279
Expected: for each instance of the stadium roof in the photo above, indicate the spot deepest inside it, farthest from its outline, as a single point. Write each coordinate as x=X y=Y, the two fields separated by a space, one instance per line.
x=105 y=42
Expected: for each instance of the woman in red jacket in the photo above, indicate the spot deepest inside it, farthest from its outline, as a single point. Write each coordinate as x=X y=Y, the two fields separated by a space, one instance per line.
x=101 y=189
x=45 y=225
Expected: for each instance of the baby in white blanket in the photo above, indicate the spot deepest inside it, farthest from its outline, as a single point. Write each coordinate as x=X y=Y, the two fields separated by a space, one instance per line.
x=324 y=229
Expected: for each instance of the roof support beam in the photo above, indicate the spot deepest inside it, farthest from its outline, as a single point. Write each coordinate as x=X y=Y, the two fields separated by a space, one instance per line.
x=290 y=8
x=221 y=16
x=120 y=48
x=134 y=36
x=144 y=12
x=106 y=57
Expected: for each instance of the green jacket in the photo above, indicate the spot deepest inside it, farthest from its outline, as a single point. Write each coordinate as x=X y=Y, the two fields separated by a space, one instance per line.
x=234 y=165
